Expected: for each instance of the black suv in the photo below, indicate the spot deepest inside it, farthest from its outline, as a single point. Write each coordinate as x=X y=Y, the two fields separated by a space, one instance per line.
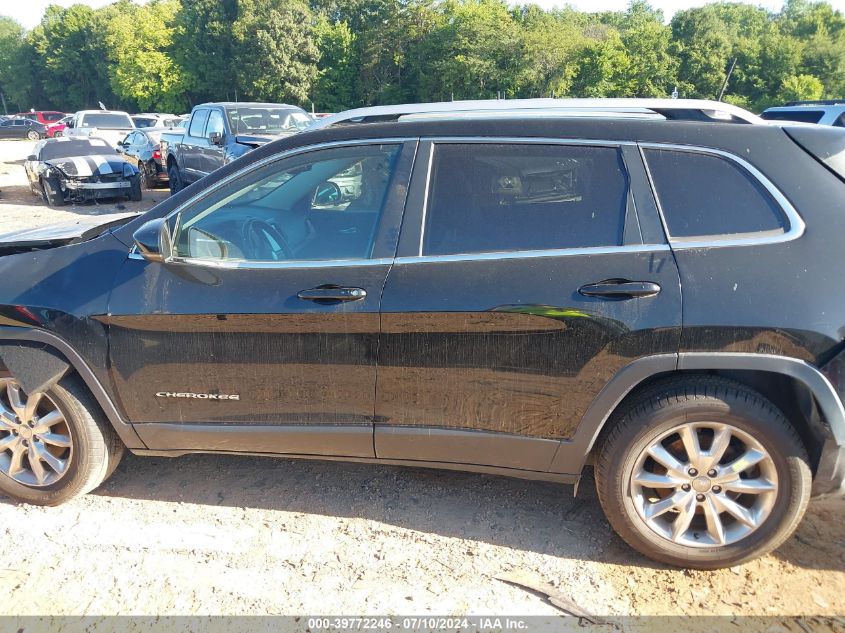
x=656 y=292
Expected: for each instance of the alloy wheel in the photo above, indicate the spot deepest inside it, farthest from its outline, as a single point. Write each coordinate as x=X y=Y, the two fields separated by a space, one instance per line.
x=703 y=484
x=36 y=445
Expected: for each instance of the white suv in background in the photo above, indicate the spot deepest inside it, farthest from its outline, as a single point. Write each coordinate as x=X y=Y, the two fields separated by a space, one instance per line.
x=110 y=125
x=816 y=112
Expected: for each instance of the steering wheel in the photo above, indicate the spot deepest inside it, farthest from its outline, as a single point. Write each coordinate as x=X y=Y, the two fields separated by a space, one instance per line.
x=264 y=242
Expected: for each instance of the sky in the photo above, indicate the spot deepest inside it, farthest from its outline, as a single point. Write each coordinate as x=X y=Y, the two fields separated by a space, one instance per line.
x=29 y=12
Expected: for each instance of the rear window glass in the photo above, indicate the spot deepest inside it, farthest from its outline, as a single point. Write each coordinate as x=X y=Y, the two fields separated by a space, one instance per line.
x=107 y=121
x=705 y=195
x=801 y=116
x=488 y=197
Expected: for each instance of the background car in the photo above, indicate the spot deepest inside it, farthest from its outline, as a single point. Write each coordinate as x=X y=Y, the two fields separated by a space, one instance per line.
x=816 y=112
x=18 y=127
x=57 y=129
x=113 y=126
x=46 y=117
x=77 y=169
x=156 y=119
x=143 y=149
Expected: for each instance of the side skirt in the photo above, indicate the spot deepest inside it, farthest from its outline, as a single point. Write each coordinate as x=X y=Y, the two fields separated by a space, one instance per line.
x=471 y=468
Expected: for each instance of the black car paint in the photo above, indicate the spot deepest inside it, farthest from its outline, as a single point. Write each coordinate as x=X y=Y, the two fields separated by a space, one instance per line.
x=139 y=148
x=370 y=390
x=20 y=128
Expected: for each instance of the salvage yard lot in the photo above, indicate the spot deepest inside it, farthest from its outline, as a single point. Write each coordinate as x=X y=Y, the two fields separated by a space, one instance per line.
x=245 y=535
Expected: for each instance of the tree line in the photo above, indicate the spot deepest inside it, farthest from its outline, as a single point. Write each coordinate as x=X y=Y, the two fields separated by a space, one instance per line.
x=167 y=55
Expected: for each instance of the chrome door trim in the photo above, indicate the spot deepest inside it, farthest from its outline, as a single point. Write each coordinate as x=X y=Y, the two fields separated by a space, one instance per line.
x=560 y=252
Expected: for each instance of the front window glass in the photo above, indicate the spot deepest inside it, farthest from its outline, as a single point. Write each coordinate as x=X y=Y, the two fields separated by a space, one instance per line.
x=215 y=123
x=52 y=117
x=197 y=127
x=257 y=120
x=321 y=205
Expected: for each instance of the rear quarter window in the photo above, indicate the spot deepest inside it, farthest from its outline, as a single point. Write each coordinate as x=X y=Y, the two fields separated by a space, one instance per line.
x=704 y=195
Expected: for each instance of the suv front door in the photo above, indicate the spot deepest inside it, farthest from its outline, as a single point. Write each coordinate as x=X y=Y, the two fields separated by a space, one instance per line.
x=261 y=334
x=525 y=279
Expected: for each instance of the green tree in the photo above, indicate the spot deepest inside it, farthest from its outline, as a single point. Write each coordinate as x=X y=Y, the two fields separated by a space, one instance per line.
x=275 y=52
x=73 y=54
x=800 y=88
x=143 y=71
x=11 y=43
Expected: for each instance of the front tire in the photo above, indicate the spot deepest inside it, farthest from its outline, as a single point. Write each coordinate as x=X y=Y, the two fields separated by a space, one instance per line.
x=135 y=194
x=703 y=473
x=52 y=192
x=53 y=446
x=58 y=134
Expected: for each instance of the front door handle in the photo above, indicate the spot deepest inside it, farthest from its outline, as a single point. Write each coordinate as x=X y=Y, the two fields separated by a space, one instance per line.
x=620 y=289
x=332 y=293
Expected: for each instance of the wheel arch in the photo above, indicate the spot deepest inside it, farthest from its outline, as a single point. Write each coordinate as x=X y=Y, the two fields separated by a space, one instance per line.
x=39 y=359
x=799 y=389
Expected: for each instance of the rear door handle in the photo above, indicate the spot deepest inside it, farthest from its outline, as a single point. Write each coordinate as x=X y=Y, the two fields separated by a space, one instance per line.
x=332 y=293
x=620 y=289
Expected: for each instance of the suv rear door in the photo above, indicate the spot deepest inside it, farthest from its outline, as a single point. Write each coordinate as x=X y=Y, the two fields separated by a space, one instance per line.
x=525 y=279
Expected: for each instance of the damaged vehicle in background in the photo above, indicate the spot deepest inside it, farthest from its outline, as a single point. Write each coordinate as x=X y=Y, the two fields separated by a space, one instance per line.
x=68 y=169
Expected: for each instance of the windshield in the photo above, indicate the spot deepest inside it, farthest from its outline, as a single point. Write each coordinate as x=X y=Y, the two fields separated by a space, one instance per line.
x=107 y=121
x=76 y=147
x=258 y=120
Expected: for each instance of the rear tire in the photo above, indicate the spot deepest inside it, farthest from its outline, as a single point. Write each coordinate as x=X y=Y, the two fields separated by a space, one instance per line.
x=93 y=453
x=32 y=135
x=147 y=181
x=175 y=179
x=734 y=511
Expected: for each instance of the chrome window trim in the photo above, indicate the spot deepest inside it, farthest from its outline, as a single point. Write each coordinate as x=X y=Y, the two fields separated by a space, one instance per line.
x=796 y=223
x=242 y=264
x=299 y=263
x=559 y=252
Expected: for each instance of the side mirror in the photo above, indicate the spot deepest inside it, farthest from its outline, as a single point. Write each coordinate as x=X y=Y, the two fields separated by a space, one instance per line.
x=214 y=138
x=152 y=240
x=32 y=157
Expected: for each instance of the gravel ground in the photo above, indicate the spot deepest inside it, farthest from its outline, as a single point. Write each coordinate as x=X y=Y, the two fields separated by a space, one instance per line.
x=205 y=535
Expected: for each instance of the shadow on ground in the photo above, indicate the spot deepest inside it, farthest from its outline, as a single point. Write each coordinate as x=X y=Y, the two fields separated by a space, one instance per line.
x=524 y=515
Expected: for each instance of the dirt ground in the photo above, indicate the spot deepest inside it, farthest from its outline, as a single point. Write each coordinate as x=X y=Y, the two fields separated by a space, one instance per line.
x=205 y=535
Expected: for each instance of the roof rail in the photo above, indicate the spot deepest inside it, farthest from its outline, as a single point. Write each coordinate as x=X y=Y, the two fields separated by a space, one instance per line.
x=818 y=102
x=670 y=109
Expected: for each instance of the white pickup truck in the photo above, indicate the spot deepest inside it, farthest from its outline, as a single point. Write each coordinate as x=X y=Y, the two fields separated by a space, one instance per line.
x=111 y=126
